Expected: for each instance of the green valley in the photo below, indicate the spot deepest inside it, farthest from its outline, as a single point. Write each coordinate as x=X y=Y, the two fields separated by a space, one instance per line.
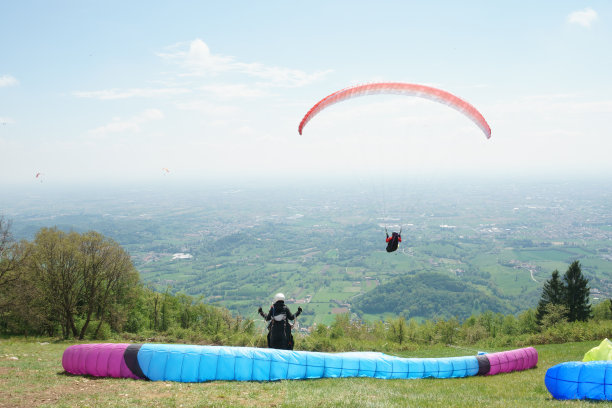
x=494 y=244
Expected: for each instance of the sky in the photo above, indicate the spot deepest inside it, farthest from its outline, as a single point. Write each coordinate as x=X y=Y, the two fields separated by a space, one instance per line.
x=138 y=91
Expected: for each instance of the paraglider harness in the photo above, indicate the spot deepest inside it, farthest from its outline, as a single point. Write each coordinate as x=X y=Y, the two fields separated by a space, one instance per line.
x=393 y=242
x=285 y=320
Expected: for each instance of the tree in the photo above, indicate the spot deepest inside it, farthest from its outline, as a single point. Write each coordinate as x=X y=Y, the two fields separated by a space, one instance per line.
x=106 y=270
x=553 y=292
x=81 y=277
x=27 y=312
x=555 y=314
x=447 y=330
x=576 y=294
x=398 y=330
x=12 y=256
x=601 y=311
x=527 y=322
x=509 y=325
x=55 y=264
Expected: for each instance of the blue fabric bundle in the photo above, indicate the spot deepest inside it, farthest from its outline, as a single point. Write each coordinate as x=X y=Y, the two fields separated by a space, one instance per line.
x=186 y=363
x=580 y=380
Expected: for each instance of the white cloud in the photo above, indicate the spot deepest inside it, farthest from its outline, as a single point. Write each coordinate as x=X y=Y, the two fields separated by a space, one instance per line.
x=583 y=17
x=111 y=94
x=205 y=107
x=234 y=91
x=132 y=124
x=279 y=76
x=8 y=80
x=198 y=60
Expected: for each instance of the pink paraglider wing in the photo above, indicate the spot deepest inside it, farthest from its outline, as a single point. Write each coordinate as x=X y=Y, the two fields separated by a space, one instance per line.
x=401 y=88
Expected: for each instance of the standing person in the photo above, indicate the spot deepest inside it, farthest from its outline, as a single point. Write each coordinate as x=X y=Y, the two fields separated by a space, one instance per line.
x=279 y=329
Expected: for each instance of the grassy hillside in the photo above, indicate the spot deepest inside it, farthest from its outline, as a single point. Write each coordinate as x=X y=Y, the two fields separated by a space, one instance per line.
x=430 y=294
x=31 y=375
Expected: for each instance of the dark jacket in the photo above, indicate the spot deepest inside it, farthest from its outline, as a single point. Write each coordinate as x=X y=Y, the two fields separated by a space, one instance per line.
x=279 y=334
x=393 y=241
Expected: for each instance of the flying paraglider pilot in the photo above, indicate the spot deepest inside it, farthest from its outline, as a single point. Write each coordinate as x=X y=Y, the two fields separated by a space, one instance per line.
x=393 y=241
x=279 y=328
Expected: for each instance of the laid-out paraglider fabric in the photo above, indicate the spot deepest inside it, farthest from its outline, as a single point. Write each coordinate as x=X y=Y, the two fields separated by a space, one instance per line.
x=600 y=353
x=401 y=88
x=511 y=360
x=580 y=380
x=188 y=363
x=99 y=360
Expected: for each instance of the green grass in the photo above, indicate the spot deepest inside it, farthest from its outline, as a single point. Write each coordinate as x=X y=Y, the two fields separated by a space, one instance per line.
x=36 y=378
x=563 y=255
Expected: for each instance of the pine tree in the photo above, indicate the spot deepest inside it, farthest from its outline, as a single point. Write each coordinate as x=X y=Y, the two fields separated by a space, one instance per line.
x=552 y=292
x=576 y=293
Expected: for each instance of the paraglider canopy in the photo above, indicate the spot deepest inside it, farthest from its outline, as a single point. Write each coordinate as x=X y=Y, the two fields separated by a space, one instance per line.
x=601 y=352
x=401 y=88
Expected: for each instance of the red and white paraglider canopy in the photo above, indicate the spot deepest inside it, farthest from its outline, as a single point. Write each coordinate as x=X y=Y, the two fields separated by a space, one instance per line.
x=400 y=88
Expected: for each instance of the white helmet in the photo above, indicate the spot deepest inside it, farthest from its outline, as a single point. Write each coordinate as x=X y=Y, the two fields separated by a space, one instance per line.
x=279 y=296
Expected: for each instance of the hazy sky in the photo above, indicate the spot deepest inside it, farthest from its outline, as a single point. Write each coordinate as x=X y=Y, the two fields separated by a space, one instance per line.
x=102 y=90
